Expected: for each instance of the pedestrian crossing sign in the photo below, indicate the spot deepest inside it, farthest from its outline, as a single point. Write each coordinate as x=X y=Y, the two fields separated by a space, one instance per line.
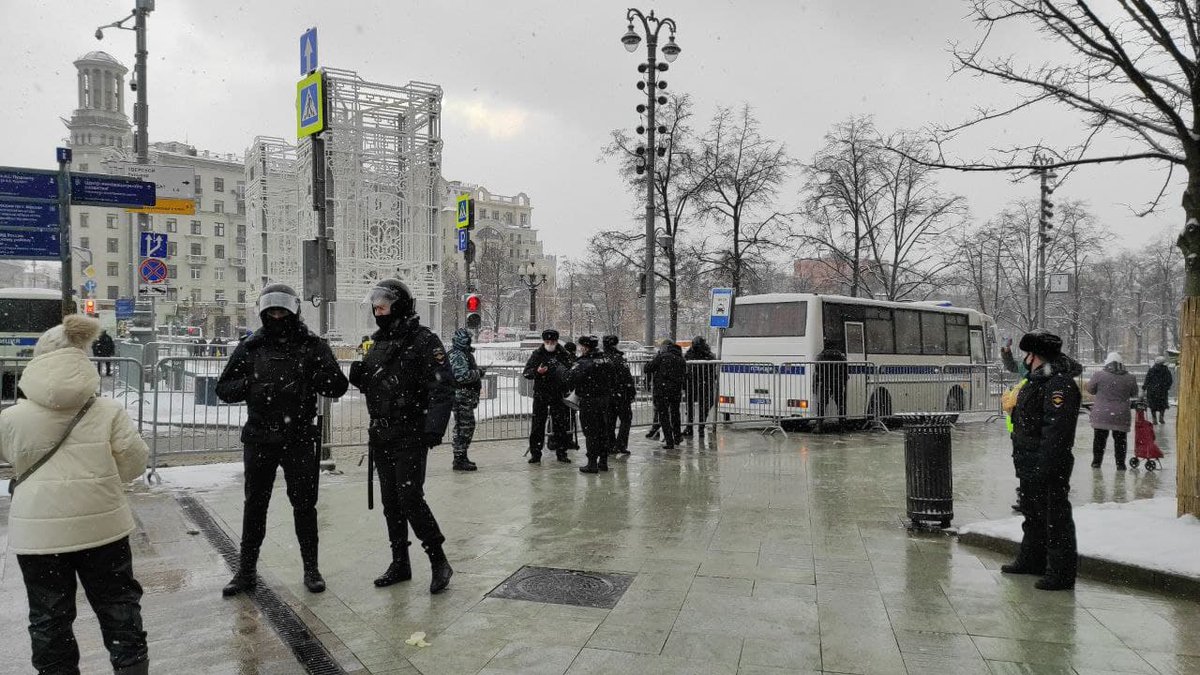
x=310 y=105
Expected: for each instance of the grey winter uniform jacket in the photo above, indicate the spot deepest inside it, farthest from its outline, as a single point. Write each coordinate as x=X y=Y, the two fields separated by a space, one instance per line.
x=1112 y=387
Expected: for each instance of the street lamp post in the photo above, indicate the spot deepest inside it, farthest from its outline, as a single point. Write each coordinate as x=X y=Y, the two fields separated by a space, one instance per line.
x=531 y=279
x=1046 y=176
x=651 y=25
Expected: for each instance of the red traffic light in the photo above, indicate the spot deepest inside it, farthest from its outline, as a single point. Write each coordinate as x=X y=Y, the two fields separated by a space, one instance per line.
x=89 y=307
x=473 y=303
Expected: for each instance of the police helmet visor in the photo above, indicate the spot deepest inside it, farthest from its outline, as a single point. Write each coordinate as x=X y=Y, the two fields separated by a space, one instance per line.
x=279 y=300
x=381 y=296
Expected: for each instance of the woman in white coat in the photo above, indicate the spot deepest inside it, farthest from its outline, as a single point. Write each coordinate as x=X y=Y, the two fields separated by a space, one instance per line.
x=69 y=518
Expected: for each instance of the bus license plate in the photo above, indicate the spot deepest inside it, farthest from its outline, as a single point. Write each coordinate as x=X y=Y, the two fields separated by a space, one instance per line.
x=760 y=401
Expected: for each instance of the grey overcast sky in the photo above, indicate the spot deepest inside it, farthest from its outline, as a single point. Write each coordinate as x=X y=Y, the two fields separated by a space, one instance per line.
x=533 y=87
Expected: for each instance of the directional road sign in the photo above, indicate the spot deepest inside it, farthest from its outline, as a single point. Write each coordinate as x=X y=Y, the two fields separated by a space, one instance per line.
x=310 y=106
x=42 y=215
x=174 y=186
x=464 y=238
x=153 y=271
x=29 y=245
x=125 y=308
x=153 y=245
x=722 y=304
x=101 y=190
x=28 y=183
x=89 y=285
x=308 y=51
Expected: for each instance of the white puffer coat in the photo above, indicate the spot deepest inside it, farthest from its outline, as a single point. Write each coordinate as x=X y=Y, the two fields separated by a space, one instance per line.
x=76 y=500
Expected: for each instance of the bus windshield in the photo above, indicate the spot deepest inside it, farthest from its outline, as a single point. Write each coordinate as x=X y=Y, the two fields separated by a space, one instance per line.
x=27 y=315
x=768 y=319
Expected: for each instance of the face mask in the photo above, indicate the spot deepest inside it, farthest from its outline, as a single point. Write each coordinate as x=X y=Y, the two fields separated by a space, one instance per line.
x=384 y=321
x=279 y=328
x=551 y=347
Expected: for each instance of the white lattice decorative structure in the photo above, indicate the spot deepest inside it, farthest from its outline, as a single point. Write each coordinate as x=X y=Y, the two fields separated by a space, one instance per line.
x=384 y=158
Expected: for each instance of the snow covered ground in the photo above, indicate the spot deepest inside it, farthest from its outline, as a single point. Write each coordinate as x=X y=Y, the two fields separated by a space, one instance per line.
x=1143 y=533
x=179 y=408
x=201 y=477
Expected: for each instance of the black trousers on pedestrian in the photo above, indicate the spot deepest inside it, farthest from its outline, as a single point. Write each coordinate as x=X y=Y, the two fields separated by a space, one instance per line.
x=595 y=416
x=621 y=413
x=835 y=390
x=300 y=473
x=107 y=368
x=699 y=399
x=552 y=408
x=1100 y=441
x=402 y=490
x=1049 y=528
x=106 y=573
x=667 y=405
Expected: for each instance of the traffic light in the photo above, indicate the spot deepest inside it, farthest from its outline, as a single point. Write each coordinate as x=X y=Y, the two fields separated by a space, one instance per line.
x=89 y=307
x=1047 y=205
x=474 y=305
x=470 y=214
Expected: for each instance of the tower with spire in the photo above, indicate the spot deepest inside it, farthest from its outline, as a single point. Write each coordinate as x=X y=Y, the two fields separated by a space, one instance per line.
x=100 y=121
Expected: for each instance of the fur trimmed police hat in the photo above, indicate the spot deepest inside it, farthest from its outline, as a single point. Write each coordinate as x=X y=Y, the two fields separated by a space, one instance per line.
x=610 y=341
x=549 y=334
x=1042 y=343
x=588 y=341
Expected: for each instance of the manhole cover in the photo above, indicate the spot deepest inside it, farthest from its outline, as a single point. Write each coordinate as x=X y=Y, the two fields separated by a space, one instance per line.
x=564 y=587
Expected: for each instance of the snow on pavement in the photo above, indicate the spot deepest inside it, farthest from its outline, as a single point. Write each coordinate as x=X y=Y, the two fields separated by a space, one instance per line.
x=1143 y=533
x=200 y=477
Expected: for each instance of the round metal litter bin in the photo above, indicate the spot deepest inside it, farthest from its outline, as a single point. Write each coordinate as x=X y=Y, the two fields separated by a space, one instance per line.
x=927 y=469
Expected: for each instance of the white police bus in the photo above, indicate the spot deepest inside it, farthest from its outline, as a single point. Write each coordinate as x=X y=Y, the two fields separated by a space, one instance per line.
x=903 y=356
x=25 y=313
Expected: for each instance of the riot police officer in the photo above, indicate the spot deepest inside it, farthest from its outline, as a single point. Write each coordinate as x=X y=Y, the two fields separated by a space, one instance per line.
x=543 y=367
x=408 y=384
x=623 y=396
x=278 y=371
x=594 y=379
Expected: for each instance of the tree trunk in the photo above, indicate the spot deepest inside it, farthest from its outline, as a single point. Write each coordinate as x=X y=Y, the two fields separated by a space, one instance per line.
x=673 y=292
x=1187 y=426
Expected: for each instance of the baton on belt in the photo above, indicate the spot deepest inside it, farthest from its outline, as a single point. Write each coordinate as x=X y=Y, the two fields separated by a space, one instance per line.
x=370 y=478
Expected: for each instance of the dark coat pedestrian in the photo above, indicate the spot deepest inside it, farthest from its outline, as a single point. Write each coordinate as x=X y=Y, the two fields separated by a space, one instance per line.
x=623 y=396
x=1157 y=386
x=830 y=377
x=1113 y=388
x=545 y=367
x=104 y=348
x=701 y=392
x=594 y=379
x=1043 y=436
x=409 y=387
x=668 y=374
x=278 y=372
x=468 y=382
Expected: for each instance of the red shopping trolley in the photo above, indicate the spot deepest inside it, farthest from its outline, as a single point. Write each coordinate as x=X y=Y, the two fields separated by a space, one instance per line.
x=1144 y=447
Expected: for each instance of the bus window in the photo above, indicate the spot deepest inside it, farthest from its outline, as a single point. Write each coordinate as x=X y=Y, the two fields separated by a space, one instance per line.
x=977 y=353
x=933 y=333
x=768 y=319
x=29 y=315
x=957 y=340
x=880 y=339
x=908 y=331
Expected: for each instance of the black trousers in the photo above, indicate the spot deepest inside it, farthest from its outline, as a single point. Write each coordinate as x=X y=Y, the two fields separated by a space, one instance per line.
x=107 y=368
x=836 y=390
x=667 y=405
x=1049 y=529
x=1100 y=441
x=621 y=413
x=106 y=573
x=699 y=399
x=300 y=473
x=402 y=490
x=552 y=408
x=595 y=416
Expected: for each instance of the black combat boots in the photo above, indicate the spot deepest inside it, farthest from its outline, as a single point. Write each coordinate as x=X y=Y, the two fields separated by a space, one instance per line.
x=399 y=570
x=246 y=577
x=462 y=462
x=535 y=456
x=561 y=455
x=313 y=581
x=440 y=568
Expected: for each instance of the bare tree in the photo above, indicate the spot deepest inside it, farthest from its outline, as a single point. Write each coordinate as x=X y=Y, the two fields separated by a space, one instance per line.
x=495 y=283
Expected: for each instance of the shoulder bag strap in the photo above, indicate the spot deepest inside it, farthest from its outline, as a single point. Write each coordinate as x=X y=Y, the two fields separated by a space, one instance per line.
x=12 y=486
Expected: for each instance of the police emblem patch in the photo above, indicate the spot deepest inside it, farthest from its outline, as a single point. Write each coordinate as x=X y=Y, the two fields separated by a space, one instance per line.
x=1058 y=398
x=439 y=356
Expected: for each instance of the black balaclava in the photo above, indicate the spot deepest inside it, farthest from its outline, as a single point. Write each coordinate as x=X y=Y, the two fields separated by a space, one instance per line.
x=280 y=329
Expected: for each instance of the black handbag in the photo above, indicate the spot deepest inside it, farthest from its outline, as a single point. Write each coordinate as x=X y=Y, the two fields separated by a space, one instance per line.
x=12 y=485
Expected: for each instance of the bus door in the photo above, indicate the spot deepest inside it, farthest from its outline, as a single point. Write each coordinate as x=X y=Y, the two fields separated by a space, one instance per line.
x=856 y=353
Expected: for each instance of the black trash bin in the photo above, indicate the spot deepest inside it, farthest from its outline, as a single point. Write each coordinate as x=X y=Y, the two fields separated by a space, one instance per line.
x=206 y=390
x=927 y=469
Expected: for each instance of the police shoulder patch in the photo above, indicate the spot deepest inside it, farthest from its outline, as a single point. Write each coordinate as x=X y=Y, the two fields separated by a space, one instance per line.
x=1058 y=397
x=439 y=355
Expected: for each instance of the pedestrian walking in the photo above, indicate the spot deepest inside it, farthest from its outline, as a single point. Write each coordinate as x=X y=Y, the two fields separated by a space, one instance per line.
x=468 y=382
x=668 y=371
x=544 y=367
x=1157 y=387
x=701 y=391
x=104 y=348
x=409 y=387
x=623 y=395
x=593 y=377
x=1044 y=419
x=1113 y=387
x=69 y=520
x=830 y=376
x=278 y=372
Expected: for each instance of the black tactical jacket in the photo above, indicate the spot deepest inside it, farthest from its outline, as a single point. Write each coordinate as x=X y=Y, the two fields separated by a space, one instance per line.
x=548 y=384
x=1044 y=420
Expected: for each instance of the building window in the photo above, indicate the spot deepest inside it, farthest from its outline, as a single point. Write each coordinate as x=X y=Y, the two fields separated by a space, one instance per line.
x=219 y=206
x=83 y=243
x=196 y=227
x=172 y=294
x=241 y=274
x=83 y=220
x=113 y=269
x=524 y=218
x=114 y=292
x=219 y=229
x=196 y=295
x=195 y=274
x=219 y=295
x=172 y=225
x=112 y=221
x=219 y=251
x=241 y=297
x=219 y=274
x=172 y=272
x=114 y=245
x=241 y=229
x=172 y=248
x=196 y=249
x=219 y=184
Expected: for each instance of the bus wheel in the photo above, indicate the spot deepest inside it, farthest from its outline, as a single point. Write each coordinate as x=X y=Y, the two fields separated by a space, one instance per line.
x=955 y=399
x=881 y=404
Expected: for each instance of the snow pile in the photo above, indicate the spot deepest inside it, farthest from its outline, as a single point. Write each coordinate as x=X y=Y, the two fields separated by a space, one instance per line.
x=201 y=477
x=1144 y=533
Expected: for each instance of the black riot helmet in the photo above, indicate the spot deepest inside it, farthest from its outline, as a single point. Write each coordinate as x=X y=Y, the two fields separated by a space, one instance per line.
x=278 y=296
x=394 y=294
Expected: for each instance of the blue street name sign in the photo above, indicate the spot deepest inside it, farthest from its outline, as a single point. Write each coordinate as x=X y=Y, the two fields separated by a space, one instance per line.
x=125 y=308
x=308 y=51
x=463 y=239
x=29 y=245
x=28 y=183
x=29 y=214
x=100 y=190
x=154 y=245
